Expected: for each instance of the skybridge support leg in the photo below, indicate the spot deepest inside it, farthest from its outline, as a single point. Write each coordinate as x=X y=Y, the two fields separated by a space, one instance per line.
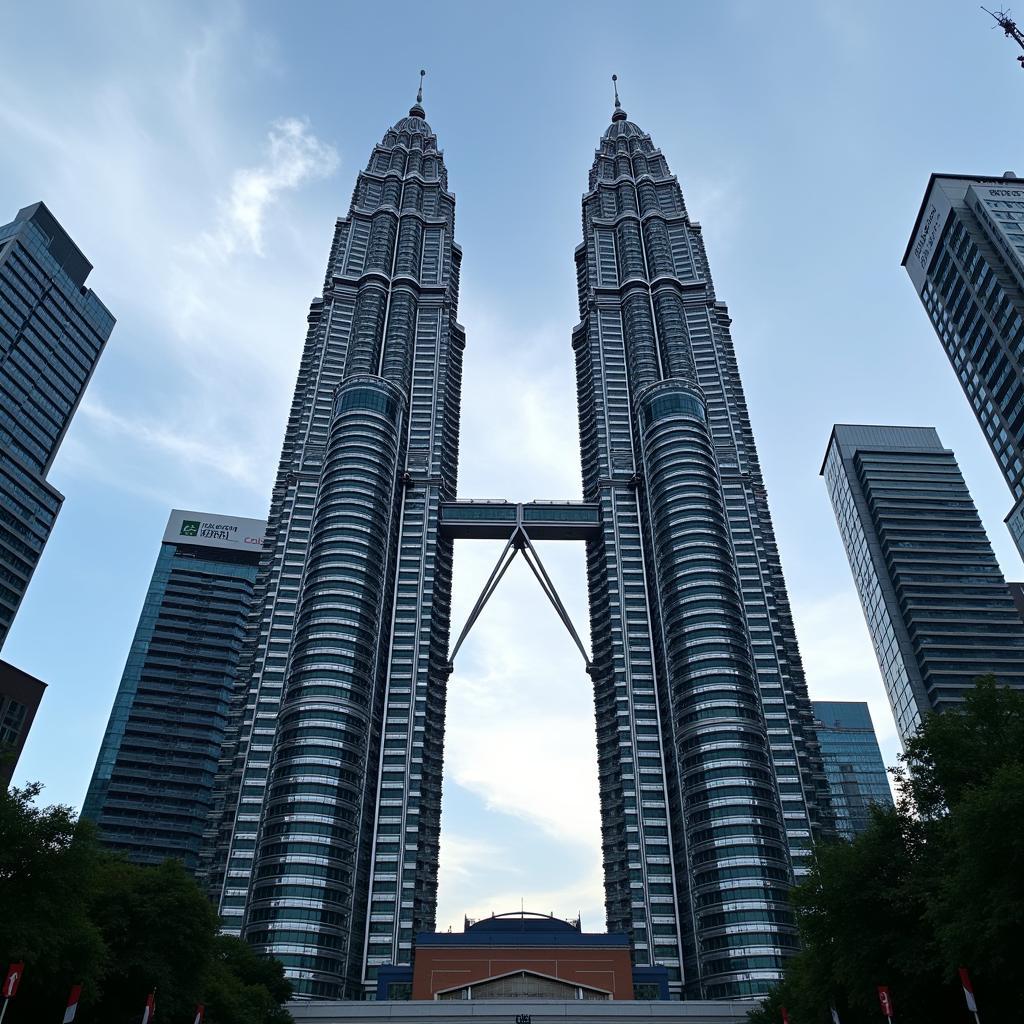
x=520 y=541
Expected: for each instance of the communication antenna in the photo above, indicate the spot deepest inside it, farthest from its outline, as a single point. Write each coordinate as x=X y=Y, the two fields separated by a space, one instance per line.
x=1009 y=27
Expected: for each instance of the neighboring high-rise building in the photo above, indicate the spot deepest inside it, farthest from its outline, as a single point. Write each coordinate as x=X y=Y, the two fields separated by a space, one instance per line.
x=966 y=259
x=20 y=695
x=323 y=850
x=52 y=332
x=152 y=787
x=938 y=609
x=853 y=763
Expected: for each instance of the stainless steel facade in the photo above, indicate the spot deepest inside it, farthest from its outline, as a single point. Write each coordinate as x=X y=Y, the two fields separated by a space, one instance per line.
x=712 y=784
x=938 y=609
x=53 y=330
x=324 y=849
x=966 y=261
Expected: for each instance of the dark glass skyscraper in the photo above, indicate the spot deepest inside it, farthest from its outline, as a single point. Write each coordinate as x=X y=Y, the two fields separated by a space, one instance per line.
x=966 y=260
x=324 y=849
x=152 y=787
x=853 y=763
x=936 y=604
x=52 y=332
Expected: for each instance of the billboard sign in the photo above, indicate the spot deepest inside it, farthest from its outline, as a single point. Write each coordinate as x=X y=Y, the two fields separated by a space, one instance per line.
x=214 y=531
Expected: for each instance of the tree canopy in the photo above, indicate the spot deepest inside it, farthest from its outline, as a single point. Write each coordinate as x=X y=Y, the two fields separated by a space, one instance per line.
x=933 y=884
x=76 y=914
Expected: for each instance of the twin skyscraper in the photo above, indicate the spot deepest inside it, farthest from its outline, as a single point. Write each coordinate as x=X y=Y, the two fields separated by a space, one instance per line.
x=291 y=747
x=323 y=845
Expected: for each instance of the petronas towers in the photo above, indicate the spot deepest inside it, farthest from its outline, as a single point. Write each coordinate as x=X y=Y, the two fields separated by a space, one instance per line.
x=324 y=846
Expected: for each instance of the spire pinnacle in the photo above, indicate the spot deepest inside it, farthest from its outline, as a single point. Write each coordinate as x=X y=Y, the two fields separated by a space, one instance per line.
x=416 y=110
x=619 y=114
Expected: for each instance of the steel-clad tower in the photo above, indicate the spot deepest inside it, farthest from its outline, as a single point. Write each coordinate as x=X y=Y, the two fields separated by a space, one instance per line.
x=702 y=711
x=325 y=848
x=351 y=616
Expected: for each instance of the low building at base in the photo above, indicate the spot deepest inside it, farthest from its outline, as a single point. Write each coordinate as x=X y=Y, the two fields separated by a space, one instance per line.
x=522 y=1011
x=521 y=956
x=522 y=968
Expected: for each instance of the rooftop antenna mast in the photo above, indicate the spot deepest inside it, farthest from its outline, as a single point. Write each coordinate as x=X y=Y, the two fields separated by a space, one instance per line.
x=1009 y=27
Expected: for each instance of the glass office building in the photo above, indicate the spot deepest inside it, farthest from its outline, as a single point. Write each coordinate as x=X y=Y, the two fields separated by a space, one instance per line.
x=152 y=787
x=938 y=609
x=966 y=260
x=52 y=331
x=853 y=763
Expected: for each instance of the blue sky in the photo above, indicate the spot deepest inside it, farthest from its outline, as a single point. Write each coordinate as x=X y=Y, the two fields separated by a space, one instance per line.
x=199 y=154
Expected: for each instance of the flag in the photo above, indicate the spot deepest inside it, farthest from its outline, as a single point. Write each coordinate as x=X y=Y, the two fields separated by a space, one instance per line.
x=885 y=999
x=835 y=1014
x=785 y=1015
x=69 y=1013
x=965 y=980
x=200 y=1013
x=149 y=1014
x=13 y=979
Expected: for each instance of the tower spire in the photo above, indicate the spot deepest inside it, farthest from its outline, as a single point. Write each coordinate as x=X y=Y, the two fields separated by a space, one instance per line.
x=416 y=110
x=618 y=114
x=1009 y=27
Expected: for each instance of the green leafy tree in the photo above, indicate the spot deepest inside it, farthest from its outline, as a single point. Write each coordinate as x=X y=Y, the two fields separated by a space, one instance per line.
x=47 y=862
x=75 y=913
x=159 y=930
x=241 y=986
x=935 y=883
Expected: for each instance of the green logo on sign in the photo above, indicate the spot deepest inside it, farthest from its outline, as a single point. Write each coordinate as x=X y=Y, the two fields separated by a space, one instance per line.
x=189 y=528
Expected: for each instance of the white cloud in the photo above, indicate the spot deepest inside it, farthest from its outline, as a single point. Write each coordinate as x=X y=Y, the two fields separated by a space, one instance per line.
x=183 y=444
x=294 y=156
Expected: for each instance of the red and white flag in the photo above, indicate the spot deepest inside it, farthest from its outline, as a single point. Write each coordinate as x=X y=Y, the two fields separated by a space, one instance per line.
x=200 y=1014
x=12 y=979
x=149 y=1014
x=885 y=999
x=965 y=980
x=69 y=1013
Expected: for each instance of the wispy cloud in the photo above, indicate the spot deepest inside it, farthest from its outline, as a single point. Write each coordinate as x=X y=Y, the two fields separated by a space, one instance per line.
x=294 y=156
x=184 y=444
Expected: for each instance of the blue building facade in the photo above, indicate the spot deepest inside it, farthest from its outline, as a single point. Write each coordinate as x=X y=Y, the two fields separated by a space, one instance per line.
x=152 y=788
x=53 y=330
x=853 y=763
